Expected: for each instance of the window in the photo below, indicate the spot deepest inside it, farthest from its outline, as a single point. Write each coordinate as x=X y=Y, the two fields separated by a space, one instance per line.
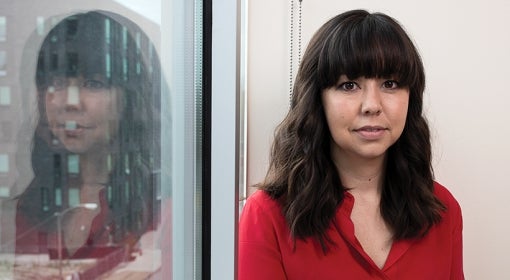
x=3 y=29
x=3 y=63
x=122 y=172
x=5 y=96
x=73 y=161
x=4 y=191
x=40 y=25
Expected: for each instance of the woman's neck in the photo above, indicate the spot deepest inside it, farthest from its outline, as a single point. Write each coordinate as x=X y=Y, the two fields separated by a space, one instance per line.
x=94 y=168
x=361 y=175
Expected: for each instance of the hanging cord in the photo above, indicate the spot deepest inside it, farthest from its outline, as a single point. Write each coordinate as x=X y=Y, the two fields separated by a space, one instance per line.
x=291 y=44
x=299 y=30
x=291 y=50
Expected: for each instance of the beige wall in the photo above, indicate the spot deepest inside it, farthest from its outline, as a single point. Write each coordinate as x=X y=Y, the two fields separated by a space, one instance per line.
x=465 y=47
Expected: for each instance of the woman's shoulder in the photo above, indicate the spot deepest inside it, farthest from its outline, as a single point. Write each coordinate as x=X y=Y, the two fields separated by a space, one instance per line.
x=261 y=200
x=261 y=219
x=443 y=194
x=447 y=198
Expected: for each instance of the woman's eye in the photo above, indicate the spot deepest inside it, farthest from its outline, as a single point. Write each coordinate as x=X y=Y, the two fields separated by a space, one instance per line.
x=59 y=83
x=390 y=84
x=93 y=84
x=347 y=86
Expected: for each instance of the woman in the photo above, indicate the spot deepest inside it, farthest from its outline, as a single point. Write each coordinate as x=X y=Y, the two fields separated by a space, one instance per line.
x=96 y=143
x=350 y=193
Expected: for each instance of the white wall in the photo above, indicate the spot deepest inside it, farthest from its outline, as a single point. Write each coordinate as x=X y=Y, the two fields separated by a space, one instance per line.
x=465 y=46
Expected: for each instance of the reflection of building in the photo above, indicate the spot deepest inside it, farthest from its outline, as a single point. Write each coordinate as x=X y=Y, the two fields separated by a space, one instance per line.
x=18 y=21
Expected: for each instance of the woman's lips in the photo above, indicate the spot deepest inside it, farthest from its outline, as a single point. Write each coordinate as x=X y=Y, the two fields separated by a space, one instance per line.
x=73 y=125
x=371 y=132
x=72 y=128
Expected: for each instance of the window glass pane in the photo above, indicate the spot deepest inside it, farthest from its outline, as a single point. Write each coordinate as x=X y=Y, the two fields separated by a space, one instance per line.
x=73 y=161
x=97 y=153
x=74 y=197
x=3 y=63
x=94 y=113
x=58 y=198
x=184 y=38
x=4 y=191
x=3 y=28
x=5 y=95
x=40 y=25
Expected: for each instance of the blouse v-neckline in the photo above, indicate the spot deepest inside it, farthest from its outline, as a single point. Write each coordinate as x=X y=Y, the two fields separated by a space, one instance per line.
x=345 y=227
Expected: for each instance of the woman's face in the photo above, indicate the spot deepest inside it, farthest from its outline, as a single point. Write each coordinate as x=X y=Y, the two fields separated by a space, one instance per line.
x=83 y=113
x=365 y=116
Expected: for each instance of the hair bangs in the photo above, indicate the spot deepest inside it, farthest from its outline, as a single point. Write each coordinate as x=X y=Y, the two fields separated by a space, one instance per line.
x=370 y=48
x=88 y=45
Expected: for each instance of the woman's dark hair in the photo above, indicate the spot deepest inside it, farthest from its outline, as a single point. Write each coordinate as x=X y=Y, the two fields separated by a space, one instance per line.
x=108 y=45
x=302 y=175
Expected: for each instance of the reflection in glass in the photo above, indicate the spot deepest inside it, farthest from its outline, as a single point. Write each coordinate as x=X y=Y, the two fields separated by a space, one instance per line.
x=3 y=28
x=40 y=25
x=5 y=95
x=96 y=141
x=3 y=63
x=4 y=163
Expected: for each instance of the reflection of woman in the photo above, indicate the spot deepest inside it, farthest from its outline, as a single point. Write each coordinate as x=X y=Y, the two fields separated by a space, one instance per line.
x=350 y=191
x=97 y=138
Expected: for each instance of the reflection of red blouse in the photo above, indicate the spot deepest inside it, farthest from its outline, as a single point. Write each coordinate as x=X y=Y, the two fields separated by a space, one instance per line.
x=266 y=249
x=33 y=239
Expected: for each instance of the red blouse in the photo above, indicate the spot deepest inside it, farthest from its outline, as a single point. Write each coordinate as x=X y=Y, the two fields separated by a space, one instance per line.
x=32 y=238
x=266 y=249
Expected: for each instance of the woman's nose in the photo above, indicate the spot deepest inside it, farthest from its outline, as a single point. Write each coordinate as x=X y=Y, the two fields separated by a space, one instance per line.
x=73 y=96
x=371 y=103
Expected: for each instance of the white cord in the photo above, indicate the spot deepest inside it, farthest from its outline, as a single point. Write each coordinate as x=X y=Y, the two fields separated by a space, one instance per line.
x=291 y=50
x=291 y=43
x=299 y=30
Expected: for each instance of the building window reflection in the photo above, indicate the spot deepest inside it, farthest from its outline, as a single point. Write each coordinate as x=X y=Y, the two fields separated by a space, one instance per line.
x=40 y=25
x=5 y=95
x=74 y=197
x=3 y=29
x=45 y=201
x=3 y=63
x=73 y=164
x=5 y=192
